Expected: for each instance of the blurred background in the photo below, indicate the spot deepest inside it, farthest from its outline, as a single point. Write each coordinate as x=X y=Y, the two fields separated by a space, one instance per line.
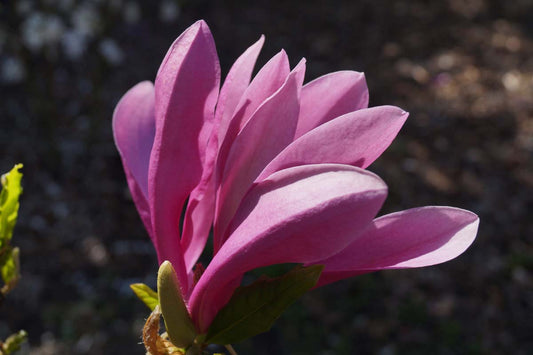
x=462 y=68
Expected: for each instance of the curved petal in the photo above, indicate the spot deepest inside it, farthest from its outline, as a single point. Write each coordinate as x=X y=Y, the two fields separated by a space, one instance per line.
x=297 y=215
x=235 y=85
x=357 y=138
x=186 y=90
x=200 y=209
x=197 y=223
x=412 y=238
x=330 y=96
x=268 y=131
x=133 y=130
x=267 y=81
x=140 y=202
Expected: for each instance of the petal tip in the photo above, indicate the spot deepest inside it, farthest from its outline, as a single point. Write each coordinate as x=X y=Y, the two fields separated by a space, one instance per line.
x=199 y=23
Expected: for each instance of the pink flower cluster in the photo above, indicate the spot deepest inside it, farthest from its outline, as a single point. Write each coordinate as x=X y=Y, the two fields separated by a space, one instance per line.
x=275 y=167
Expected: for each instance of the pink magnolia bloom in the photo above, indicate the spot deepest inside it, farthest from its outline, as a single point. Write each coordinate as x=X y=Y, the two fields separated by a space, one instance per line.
x=274 y=166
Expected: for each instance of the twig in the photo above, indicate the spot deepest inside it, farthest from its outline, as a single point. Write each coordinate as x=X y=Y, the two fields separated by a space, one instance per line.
x=230 y=349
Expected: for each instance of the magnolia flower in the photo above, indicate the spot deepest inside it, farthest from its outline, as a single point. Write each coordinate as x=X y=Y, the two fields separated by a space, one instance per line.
x=274 y=167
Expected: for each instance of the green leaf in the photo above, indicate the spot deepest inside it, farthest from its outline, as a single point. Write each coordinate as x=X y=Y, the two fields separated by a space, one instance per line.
x=253 y=309
x=272 y=271
x=9 y=203
x=145 y=294
x=180 y=328
x=9 y=268
x=14 y=342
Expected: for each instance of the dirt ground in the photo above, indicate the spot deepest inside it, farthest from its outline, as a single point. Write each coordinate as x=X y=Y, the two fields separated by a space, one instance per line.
x=462 y=68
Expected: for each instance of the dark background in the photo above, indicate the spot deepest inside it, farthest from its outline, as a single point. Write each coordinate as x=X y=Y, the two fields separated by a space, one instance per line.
x=463 y=69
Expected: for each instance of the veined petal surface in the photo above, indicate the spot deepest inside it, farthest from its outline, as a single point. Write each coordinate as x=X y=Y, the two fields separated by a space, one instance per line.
x=238 y=81
x=134 y=130
x=356 y=138
x=201 y=206
x=267 y=81
x=297 y=215
x=267 y=132
x=412 y=238
x=330 y=96
x=186 y=90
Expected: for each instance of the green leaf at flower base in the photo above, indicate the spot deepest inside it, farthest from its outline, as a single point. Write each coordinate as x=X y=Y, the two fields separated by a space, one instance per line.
x=145 y=294
x=180 y=328
x=9 y=203
x=253 y=309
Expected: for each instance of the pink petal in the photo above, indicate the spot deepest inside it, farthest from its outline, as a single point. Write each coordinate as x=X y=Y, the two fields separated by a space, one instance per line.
x=197 y=223
x=186 y=90
x=200 y=209
x=297 y=215
x=357 y=138
x=267 y=81
x=268 y=131
x=412 y=238
x=140 y=202
x=237 y=82
x=134 y=129
x=330 y=96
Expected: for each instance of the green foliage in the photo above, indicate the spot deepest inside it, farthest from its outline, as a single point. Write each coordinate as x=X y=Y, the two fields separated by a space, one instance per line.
x=145 y=294
x=9 y=256
x=9 y=268
x=178 y=323
x=13 y=342
x=253 y=309
x=9 y=204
